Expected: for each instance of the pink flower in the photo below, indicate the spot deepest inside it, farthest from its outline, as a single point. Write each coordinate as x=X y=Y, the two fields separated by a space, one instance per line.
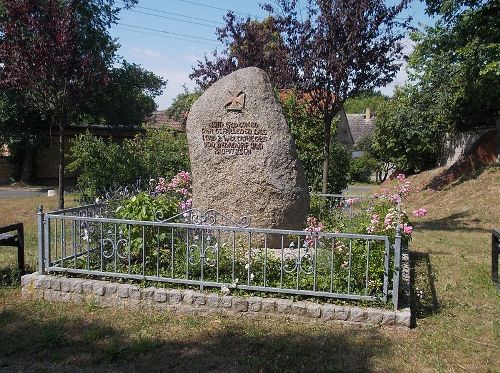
x=401 y=177
x=351 y=201
x=314 y=227
x=421 y=212
x=407 y=229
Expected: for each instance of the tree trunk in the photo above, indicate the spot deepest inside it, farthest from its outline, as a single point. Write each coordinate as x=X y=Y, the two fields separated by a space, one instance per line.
x=61 y=165
x=327 y=128
x=27 y=170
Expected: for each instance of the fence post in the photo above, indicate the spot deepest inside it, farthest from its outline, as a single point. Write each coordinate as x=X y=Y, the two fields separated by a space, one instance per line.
x=495 y=252
x=41 y=251
x=397 y=268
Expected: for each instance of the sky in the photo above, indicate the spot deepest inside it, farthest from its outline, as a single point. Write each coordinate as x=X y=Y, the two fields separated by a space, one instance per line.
x=168 y=37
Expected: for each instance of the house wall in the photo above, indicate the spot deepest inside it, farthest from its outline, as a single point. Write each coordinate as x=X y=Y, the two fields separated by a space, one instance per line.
x=46 y=158
x=457 y=144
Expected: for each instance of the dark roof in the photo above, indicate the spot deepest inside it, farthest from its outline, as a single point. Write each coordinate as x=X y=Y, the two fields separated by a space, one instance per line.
x=360 y=127
x=159 y=119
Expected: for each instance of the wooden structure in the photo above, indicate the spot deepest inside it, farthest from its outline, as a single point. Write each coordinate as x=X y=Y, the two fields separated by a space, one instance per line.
x=13 y=235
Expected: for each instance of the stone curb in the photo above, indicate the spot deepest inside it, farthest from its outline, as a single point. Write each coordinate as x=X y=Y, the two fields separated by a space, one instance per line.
x=109 y=294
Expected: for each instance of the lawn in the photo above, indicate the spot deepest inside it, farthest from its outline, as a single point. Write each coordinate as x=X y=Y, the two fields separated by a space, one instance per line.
x=457 y=307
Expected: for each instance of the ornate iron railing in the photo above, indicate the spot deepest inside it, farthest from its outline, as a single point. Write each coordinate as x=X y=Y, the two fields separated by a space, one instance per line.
x=198 y=250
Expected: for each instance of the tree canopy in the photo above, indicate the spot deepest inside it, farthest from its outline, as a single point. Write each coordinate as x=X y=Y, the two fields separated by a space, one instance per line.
x=247 y=43
x=458 y=61
x=57 y=60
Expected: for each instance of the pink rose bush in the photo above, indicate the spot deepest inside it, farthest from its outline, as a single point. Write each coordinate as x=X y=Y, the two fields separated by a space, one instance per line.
x=180 y=186
x=381 y=214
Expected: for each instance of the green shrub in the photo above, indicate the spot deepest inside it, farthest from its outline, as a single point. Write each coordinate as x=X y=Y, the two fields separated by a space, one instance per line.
x=101 y=164
x=307 y=132
x=362 y=167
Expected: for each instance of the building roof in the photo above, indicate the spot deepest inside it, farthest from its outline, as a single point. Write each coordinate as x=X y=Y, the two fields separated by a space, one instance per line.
x=159 y=119
x=360 y=126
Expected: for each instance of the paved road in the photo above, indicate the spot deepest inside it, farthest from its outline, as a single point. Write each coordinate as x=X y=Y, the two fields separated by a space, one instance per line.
x=14 y=192
x=359 y=189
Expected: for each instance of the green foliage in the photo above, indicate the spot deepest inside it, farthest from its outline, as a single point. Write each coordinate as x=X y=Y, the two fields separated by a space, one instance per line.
x=127 y=98
x=308 y=134
x=359 y=103
x=338 y=169
x=101 y=164
x=19 y=126
x=362 y=167
x=409 y=130
x=182 y=104
x=458 y=61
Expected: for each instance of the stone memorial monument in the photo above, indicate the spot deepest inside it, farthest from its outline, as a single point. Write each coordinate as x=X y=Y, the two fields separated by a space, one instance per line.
x=243 y=158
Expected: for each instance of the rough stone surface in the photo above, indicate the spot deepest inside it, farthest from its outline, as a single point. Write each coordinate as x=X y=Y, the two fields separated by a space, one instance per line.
x=313 y=310
x=268 y=305
x=160 y=295
x=299 y=308
x=283 y=305
x=244 y=162
x=357 y=314
x=174 y=296
x=240 y=304
x=226 y=301
x=341 y=313
x=403 y=318
x=108 y=294
x=388 y=318
x=213 y=300
x=255 y=304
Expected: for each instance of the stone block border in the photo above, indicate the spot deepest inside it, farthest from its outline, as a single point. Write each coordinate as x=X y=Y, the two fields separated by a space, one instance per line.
x=183 y=301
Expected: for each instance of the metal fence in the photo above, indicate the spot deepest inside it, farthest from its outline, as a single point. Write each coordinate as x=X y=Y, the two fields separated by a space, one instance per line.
x=495 y=252
x=201 y=251
x=344 y=203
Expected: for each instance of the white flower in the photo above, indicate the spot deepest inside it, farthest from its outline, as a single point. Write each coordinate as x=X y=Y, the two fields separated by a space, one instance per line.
x=251 y=276
x=225 y=290
x=235 y=283
x=247 y=266
x=85 y=236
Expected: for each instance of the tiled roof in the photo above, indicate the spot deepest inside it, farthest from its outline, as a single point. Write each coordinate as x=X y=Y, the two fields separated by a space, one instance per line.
x=360 y=127
x=159 y=119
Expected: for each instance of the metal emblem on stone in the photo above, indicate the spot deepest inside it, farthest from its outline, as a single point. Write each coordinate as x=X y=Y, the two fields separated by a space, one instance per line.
x=235 y=102
x=245 y=162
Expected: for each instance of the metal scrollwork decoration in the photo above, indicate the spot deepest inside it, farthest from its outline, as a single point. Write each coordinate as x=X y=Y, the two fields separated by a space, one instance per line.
x=196 y=254
x=114 y=245
x=295 y=262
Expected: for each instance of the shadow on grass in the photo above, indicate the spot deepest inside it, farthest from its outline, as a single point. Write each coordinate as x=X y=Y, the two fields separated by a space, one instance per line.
x=454 y=222
x=11 y=276
x=424 y=301
x=34 y=339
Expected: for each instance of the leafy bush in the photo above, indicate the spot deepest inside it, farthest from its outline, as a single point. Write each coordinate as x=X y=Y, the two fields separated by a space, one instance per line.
x=182 y=104
x=362 y=167
x=307 y=132
x=101 y=164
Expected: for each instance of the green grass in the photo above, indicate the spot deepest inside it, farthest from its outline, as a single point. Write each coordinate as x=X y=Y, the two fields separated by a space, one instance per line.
x=457 y=308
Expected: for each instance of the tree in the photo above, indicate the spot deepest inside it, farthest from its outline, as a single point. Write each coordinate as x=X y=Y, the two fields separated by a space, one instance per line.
x=341 y=48
x=54 y=53
x=247 y=43
x=179 y=109
x=409 y=130
x=20 y=128
x=126 y=99
x=458 y=60
x=307 y=132
x=363 y=100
